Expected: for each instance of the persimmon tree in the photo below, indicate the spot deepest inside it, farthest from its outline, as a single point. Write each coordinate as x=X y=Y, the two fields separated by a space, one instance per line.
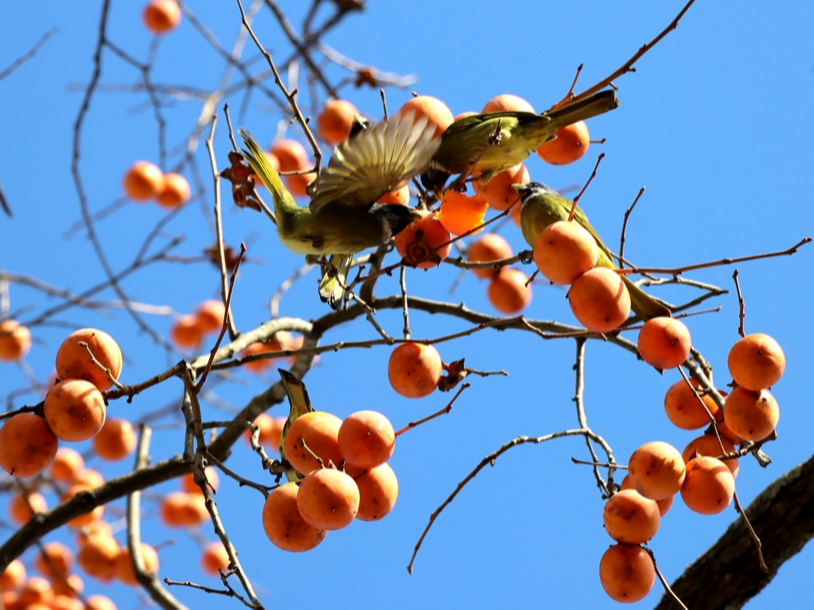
x=196 y=295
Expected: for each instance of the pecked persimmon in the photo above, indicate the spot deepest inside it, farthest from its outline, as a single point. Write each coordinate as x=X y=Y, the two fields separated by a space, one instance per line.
x=124 y=567
x=707 y=444
x=73 y=360
x=328 y=499
x=335 y=121
x=283 y=524
x=366 y=439
x=656 y=470
x=488 y=247
x=290 y=154
x=143 y=181
x=509 y=292
x=627 y=573
x=75 y=410
x=427 y=249
x=186 y=332
x=664 y=342
x=599 y=300
x=67 y=463
x=175 y=191
x=507 y=101
x=631 y=518
x=570 y=145
x=709 y=486
x=23 y=505
x=115 y=441
x=664 y=505
x=15 y=341
x=564 y=251
x=459 y=213
x=320 y=430
x=498 y=191
x=378 y=491
x=27 y=445
x=210 y=315
x=424 y=105
x=399 y=196
x=161 y=16
x=751 y=415
x=214 y=558
x=414 y=369
x=683 y=408
x=756 y=362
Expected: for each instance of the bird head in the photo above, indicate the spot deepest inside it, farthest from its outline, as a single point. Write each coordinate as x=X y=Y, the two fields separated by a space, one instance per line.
x=359 y=124
x=532 y=189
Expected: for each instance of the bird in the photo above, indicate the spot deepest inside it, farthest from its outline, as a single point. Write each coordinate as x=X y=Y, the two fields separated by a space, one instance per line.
x=300 y=405
x=483 y=145
x=342 y=217
x=542 y=206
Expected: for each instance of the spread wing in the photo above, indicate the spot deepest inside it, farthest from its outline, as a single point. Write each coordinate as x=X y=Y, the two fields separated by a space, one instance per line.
x=376 y=161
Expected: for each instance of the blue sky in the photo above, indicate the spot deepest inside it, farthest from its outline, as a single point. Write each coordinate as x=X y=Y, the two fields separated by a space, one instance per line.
x=715 y=122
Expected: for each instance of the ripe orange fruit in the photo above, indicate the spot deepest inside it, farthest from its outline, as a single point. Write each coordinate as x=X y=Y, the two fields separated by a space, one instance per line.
x=320 y=430
x=27 y=445
x=707 y=444
x=751 y=415
x=378 y=491
x=13 y=576
x=435 y=109
x=656 y=470
x=709 y=486
x=664 y=342
x=67 y=463
x=283 y=524
x=161 y=16
x=88 y=477
x=189 y=485
x=366 y=439
x=214 y=558
x=664 y=505
x=756 y=362
x=73 y=360
x=627 y=573
x=631 y=518
x=414 y=369
x=23 y=505
x=74 y=410
x=15 y=341
x=176 y=191
x=186 y=333
x=99 y=602
x=36 y=590
x=70 y=587
x=210 y=315
x=599 y=300
x=328 y=499
x=400 y=196
x=498 y=191
x=115 y=441
x=564 y=251
x=297 y=184
x=271 y=428
x=94 y=528
x=460 y=214
x=124 y=568
x=335 y=121
x=428 y=250
x=683 y=408
x=508 y=292
x=571 y=145
x=290 y=154
x=489 y=247
x=182 y=509
x=54 y=561
x=143 y=181
x=507 y=101
x=463 y=115
x=282 y=340
x=86 y=518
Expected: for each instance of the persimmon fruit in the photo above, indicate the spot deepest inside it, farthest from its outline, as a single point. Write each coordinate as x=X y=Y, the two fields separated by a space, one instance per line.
x=414 y=369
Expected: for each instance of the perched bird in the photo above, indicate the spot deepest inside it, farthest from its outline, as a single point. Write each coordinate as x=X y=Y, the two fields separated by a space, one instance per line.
x=300 y=405
x=343 y=218
x=542 y=206
x=486 y=144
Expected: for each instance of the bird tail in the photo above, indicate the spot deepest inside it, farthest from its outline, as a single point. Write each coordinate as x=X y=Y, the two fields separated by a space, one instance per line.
x=643 y=305
x=332 y=286
x=591 y=106
x=256 y=157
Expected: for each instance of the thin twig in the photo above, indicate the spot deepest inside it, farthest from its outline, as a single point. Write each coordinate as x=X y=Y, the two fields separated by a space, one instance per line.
x=624 y=227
